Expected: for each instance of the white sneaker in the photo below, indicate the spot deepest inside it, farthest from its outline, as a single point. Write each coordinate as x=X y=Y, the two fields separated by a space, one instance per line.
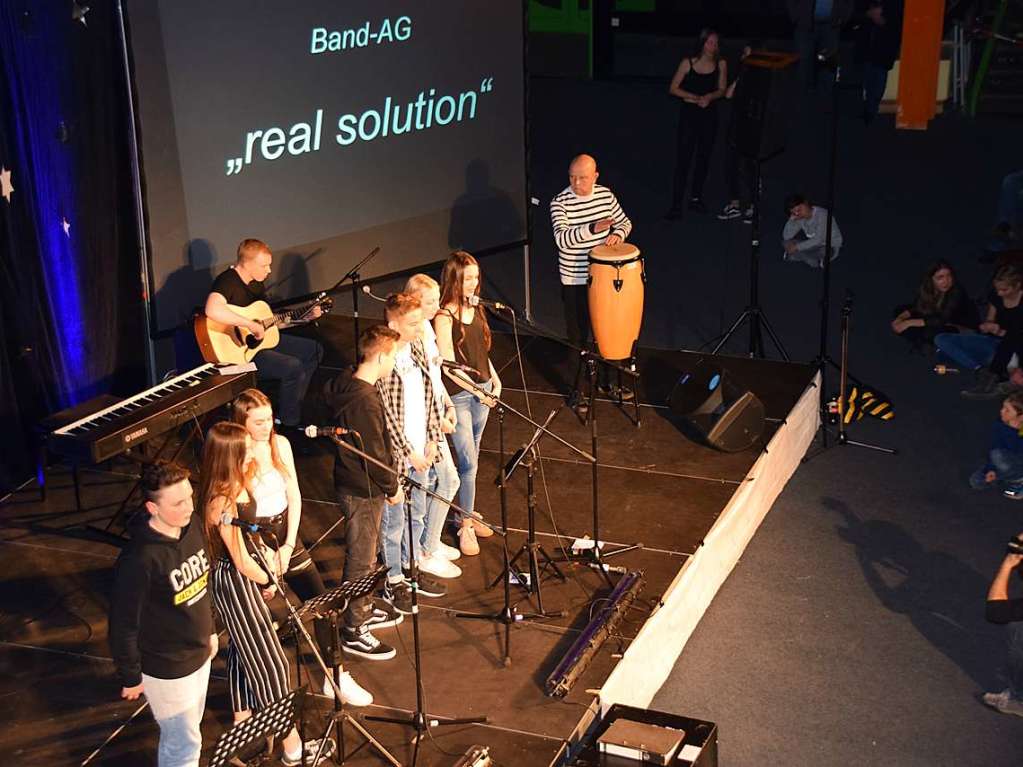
x=439 y=566
x=351 y=693
x=449 y=553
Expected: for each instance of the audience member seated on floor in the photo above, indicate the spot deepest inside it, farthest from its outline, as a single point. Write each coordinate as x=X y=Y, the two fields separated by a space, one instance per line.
x=804 y=235
x=986 y=352
x=1001 y=609
x=1009 y=227
x=941 y=306
x=1004 y=467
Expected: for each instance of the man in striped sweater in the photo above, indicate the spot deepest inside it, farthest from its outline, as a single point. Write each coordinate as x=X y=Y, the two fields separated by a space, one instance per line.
x=584 y=215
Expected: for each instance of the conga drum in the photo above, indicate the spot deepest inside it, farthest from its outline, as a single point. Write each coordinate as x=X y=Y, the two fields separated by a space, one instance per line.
x=616 y=298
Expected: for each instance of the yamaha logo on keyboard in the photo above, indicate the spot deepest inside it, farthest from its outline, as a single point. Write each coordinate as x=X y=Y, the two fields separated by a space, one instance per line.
x=133 y=435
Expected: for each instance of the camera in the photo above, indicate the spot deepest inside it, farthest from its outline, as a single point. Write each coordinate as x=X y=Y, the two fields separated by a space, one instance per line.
x=1015 y=545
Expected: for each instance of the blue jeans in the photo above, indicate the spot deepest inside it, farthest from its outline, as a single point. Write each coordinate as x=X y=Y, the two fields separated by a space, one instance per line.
x=292 y=362
x=1010 y=201
x=437 y=511
x=177 y=706
x=969 y=350
x=1007 y=465
x=472 y=419
x=394 y=539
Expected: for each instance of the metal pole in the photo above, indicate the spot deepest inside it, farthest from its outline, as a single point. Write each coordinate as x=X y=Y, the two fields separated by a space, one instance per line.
x=136 y=182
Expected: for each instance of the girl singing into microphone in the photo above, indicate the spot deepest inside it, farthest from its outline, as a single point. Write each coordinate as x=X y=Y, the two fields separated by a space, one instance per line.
x=257 y=665
x=463 y=336
x=278 y=506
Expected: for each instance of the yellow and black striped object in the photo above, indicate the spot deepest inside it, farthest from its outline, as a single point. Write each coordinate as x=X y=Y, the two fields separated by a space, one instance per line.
x=868 y=402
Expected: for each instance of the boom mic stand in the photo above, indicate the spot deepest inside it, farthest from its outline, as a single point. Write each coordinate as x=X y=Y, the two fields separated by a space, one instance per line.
x=591 y=557
x=418 y=720
x=527 y=456
x=353 y=275
x=823 y=358
x=508 y=614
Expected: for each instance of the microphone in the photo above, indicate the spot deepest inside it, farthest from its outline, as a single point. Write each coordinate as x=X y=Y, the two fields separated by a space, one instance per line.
x=250 y=527
x=368 y=292
x=495 y=305
x=326 y=431
x=459 y=366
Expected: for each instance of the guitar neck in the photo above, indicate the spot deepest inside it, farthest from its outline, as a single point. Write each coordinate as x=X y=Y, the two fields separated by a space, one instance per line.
x=291 y=315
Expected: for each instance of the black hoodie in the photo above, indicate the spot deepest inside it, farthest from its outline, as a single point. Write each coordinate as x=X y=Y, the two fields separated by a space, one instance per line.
x=356 y=405
x=161 y=613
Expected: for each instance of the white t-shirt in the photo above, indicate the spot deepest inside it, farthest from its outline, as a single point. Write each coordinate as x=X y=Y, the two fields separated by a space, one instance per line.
x=414 y=391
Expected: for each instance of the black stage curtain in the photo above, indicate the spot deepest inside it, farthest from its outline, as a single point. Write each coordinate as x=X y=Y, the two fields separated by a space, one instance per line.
x=71 y=320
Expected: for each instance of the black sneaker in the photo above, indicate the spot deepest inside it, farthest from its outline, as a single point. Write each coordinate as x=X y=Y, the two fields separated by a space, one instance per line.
x=383 y=616
x=428 y=585
x=747 y=215
x=730 y=211
x=696 y=204
x=984 y=387
x=360 y=642
x=399 y=596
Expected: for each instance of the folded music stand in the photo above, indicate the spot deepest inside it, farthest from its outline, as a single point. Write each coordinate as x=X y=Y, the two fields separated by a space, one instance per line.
x=273 y=721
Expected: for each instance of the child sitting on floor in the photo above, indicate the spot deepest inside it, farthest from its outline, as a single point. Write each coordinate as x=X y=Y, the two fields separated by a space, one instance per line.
x=1004 y=467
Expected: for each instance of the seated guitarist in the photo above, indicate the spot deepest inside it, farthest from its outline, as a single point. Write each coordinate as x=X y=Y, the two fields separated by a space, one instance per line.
x=294 y=359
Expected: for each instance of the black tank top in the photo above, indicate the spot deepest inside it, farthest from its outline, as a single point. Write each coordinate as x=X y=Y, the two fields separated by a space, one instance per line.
x=697 y=83
x=470 y=348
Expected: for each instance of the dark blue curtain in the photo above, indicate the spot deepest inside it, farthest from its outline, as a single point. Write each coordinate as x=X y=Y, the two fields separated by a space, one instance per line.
x=71 y=298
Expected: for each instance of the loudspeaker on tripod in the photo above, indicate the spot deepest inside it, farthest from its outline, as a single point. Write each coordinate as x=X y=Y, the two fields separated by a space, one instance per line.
x=728 y=416
x=762 y=105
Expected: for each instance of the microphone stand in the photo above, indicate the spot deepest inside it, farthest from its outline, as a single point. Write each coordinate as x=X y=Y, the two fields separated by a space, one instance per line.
x=353 y=275
x=418 y=720
x=628 y=369
x=823 y=358
x=592 y=557
x=527 y=455
x=509 y=613
x=340 y=717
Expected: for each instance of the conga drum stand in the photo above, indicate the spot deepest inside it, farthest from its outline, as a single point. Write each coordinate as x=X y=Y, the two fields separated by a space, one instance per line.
x=593 y=557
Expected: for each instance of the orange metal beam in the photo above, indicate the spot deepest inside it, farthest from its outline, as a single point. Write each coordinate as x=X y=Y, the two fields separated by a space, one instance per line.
x=918 y=69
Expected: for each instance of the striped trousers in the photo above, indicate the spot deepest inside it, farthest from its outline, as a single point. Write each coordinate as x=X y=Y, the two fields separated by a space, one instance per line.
x=257 y=668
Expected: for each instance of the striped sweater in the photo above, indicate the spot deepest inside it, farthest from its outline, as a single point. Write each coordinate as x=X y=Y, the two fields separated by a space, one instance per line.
x=571 y=217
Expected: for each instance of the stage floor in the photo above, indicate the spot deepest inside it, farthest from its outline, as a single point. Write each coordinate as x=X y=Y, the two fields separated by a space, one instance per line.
x=657 y=487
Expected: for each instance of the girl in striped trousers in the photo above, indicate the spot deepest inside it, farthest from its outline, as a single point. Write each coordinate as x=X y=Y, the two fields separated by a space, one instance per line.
x=257 y=666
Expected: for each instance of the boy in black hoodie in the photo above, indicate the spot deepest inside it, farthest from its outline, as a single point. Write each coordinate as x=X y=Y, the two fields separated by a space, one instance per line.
x=362 y=487
x=161 y=617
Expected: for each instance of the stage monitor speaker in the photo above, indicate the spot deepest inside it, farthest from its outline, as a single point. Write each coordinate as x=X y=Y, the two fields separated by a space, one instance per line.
x=726 y=415
x=762 y=105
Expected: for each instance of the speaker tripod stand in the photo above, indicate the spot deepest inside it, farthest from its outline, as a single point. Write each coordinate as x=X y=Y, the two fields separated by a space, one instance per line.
x=754 y=313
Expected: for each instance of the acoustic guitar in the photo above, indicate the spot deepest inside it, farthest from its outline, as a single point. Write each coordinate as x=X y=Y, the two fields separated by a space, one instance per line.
x=228 y=344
